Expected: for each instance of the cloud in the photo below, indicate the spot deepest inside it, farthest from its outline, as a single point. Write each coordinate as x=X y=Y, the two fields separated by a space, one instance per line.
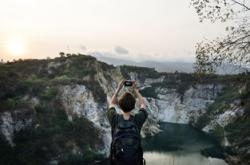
x=120 y=50
x=99 y=54
x=82 y=47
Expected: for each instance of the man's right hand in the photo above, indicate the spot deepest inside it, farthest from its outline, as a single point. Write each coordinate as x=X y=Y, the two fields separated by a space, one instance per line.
x=134 y=86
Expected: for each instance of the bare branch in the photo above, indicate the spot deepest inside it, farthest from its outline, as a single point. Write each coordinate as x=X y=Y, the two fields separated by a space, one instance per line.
x=234 y=48
x=241 y=4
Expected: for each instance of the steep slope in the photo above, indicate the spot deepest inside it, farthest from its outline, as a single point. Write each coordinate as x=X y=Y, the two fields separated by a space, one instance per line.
x=35 y=118
x=227 y=119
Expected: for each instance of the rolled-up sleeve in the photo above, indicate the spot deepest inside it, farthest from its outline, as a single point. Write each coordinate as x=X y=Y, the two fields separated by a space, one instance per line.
x=111 y=113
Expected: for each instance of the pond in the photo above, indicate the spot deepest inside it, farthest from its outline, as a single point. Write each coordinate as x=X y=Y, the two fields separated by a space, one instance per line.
x=180 y=144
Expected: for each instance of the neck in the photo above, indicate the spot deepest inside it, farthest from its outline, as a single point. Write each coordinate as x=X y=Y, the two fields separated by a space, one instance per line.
x=126 y=115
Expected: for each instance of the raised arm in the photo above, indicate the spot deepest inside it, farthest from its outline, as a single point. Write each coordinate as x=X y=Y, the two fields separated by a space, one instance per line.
x=113 y=100
x=140 y=97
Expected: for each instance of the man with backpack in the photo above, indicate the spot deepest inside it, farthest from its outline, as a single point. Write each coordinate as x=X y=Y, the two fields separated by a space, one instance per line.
x=126 y=140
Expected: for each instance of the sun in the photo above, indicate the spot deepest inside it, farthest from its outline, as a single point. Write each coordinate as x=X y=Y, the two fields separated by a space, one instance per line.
x=16 y=47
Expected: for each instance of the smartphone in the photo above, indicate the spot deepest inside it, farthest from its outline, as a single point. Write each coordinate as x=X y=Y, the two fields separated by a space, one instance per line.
x=128 y=83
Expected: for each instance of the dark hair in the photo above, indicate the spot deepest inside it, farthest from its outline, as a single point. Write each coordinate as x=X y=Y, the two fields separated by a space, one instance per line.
x=127 y=102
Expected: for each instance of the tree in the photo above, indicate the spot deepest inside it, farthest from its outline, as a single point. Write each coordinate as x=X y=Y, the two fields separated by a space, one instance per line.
x=62 y=54
x=234 y=48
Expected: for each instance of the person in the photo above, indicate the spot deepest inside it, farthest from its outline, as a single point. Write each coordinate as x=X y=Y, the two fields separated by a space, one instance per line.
x=126 y=140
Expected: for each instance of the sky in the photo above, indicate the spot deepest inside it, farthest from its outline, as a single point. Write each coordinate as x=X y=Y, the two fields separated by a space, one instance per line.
x=139 y=30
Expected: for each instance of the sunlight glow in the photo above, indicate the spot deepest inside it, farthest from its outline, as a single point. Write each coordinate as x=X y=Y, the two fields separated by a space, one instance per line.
x=16 y=47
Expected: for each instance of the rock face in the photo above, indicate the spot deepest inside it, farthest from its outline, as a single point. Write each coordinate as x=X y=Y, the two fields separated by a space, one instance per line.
x=170 y=106
x=222 y=120
x=228 y=122
x=11 y=122
x=78 y=101
x=176 y=108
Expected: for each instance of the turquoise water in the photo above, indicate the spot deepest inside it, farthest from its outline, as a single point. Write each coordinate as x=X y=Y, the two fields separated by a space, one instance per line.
x=179 y=144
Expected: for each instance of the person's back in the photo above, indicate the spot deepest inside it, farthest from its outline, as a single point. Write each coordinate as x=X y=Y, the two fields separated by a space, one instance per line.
x=126 y=140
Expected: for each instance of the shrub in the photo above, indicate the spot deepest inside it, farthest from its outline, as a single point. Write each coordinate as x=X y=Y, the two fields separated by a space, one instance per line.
x=52 y=138
x=149 y=92
x=13 y=103
x=48 y=93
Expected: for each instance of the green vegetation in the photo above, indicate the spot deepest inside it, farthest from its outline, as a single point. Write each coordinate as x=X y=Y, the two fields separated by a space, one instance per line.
x=218 y=133
x=53 y=136
x=33 y=76
x=73 y=159
x=97 y=91
x=234 y=90
x=6 y=152
x=178 y=81
x=149 y=92
x=222 y=102
x=13 y=103
x=239 y=130
x=48 y=93
x=143 y=72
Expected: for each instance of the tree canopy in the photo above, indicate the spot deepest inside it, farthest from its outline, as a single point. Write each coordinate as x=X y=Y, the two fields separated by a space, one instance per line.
x=234 y=48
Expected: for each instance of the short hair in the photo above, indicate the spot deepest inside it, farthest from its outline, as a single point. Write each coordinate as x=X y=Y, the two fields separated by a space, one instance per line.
x=127 y=102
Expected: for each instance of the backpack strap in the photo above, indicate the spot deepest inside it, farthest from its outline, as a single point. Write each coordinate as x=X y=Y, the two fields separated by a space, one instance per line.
x=119 y=118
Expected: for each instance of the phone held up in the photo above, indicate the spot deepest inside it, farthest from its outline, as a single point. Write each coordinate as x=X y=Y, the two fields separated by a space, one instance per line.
x=128 y=83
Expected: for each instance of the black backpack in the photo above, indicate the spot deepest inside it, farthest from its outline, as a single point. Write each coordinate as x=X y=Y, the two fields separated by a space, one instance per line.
x=126 y=143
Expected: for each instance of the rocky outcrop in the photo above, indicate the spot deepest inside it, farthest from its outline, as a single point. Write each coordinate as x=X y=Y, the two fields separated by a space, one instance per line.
x=228 y=123
x=78 y=101
x=177 y=108
x=12 y=122
x=174 y=107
